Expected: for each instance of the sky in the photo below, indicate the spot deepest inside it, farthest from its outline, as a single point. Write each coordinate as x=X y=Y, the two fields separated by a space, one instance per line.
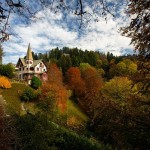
x=50 y=30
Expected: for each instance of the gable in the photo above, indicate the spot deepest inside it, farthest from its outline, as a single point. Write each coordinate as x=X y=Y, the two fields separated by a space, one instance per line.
x=21 y=62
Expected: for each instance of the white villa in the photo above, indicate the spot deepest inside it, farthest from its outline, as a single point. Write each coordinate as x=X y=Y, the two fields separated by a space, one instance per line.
x=27 y=68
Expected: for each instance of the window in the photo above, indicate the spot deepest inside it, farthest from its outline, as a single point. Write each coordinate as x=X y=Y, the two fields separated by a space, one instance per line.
x=27 y=69
x=37 y=69
x=31 y=68
x=30 y=62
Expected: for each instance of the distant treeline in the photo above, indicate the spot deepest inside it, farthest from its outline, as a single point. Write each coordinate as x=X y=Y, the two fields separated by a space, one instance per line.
x=73 y=57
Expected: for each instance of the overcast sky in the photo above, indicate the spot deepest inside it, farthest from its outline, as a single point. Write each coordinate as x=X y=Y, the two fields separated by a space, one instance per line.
x=58 y=30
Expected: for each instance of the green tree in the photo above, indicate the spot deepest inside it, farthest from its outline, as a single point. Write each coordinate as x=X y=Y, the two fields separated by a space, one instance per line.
x=35 y=82
x=29 y=94
x=84 y=66
x=65 y=63
x=7 y=70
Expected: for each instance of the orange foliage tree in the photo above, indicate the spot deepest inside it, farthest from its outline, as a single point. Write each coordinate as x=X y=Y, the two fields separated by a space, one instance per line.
x=4 y=82
x=54 y=74
x=93 y=83
x=54 y=88
x=85 y=86
x=74 y=81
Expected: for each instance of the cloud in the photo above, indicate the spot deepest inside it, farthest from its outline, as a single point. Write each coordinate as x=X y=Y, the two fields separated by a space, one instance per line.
x=57 y=30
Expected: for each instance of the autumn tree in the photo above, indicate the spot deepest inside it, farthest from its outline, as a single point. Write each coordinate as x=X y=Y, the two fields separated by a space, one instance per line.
x=138 y=31
x=120 y=116
x=123 y=68
x=93 y=84
x=125 y=126
x=85 y=83
x=75 y=82
x=118 y=89
x=54 y=74
x=54 y=89
x=73 y=76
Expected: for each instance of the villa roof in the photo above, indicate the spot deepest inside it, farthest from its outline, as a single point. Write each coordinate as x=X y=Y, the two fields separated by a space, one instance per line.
x=36 y=62
x=23 y=61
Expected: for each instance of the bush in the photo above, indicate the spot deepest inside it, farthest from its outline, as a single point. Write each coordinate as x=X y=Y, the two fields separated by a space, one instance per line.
x=35 y=82
x=7 y=70
x=4 y=82
x=29 y=94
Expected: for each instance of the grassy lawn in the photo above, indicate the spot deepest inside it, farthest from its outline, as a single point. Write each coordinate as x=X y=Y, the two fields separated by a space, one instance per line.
x=12 y=97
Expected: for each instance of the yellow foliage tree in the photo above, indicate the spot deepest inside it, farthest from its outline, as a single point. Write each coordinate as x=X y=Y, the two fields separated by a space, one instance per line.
x=4 y=82
x=119 y=88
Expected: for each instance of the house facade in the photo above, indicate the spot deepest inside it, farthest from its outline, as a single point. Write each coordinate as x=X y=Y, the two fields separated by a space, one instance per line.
x=28 y=67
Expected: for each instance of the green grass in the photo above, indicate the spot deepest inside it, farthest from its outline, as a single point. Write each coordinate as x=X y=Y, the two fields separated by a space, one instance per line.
x=12 y=97
x=75 y=115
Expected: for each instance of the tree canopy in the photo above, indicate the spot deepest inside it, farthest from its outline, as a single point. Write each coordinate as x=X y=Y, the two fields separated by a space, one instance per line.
x=138 y=29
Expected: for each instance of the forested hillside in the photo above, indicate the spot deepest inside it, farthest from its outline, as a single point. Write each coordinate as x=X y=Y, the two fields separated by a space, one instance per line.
x=90 y=101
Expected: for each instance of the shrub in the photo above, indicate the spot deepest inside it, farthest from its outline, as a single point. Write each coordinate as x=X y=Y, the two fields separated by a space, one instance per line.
x=35 y=82
x=7 y=70
x=4 y=82
x=29 y=94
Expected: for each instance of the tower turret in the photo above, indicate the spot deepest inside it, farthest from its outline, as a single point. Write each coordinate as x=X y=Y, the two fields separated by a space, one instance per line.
x=29 y=57
x=29 y=53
